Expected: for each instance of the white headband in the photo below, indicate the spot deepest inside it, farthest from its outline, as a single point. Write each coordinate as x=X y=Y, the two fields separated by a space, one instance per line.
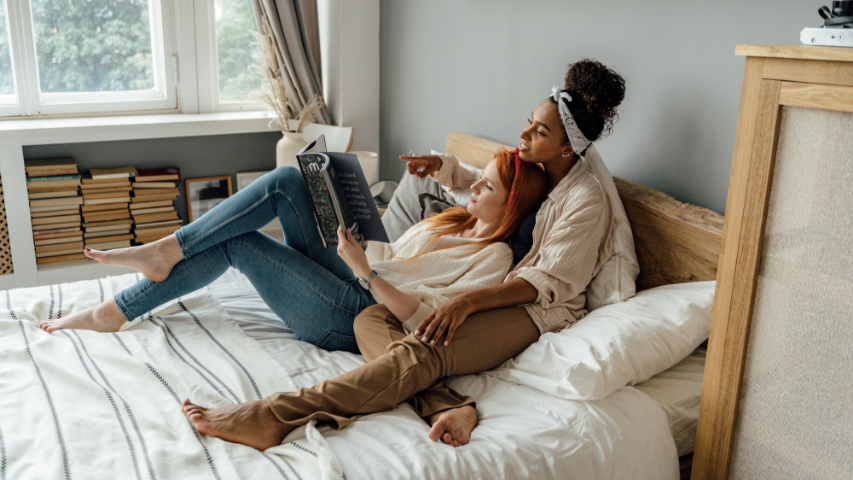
x=576 y=137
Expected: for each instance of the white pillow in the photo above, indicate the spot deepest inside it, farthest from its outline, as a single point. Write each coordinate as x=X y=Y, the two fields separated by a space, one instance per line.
x=617 y=345
x=614 y=283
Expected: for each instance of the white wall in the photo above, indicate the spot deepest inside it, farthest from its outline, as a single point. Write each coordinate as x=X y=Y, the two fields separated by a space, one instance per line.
x=349 y=45
x=481 y=66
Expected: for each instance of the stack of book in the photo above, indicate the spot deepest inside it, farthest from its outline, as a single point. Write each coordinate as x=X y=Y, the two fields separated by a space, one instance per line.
x=106 y=216
x=153 y=204
x=53 y=187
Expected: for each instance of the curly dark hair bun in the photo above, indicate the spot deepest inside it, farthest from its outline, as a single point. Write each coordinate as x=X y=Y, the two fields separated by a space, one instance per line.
x=600 y=91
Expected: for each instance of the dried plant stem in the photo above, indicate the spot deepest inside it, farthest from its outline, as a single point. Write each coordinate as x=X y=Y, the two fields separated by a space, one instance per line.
x=273 y=92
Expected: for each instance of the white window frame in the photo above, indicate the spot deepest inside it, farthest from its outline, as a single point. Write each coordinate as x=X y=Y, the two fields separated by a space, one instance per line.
x=32 y=102
x=186 y=69
x=208 y=64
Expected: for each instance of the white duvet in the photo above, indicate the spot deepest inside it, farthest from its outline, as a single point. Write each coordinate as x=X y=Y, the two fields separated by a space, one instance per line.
x=78 y=404
x=87 y=405
x=523 y=433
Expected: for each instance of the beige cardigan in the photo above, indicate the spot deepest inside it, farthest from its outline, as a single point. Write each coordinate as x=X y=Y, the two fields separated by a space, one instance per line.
x=571 y=241
x=436 y=276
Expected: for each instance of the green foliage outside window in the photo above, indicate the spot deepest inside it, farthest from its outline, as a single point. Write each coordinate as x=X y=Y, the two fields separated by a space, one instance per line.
x=234 y=22
x=93 y=45
x=105 y=45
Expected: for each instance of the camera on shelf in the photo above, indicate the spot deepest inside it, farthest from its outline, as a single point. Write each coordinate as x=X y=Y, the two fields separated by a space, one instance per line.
x=837 y=28
x=841 y=15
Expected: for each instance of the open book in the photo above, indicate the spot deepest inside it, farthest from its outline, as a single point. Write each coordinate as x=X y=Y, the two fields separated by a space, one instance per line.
x=339 y=195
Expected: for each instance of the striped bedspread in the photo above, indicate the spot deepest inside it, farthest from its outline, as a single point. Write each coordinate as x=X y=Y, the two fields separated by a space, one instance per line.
x=84 y=405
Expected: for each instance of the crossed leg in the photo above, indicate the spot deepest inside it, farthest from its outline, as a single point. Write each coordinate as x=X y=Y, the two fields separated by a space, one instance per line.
x=409 y=370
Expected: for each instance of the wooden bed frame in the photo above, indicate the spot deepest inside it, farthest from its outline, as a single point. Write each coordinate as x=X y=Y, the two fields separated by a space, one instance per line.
x=675 y=242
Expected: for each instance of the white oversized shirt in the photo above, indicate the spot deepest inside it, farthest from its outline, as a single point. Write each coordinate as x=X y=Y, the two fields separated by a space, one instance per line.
x=438 y=275
x=572 y=239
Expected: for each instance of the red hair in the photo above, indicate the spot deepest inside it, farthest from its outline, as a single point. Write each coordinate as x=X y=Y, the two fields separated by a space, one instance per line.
x=527 y=187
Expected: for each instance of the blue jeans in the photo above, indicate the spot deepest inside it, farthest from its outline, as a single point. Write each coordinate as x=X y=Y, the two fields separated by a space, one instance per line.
x=308 y=286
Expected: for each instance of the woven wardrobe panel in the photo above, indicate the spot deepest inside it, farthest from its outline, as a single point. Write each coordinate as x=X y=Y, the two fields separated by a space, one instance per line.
x=6 y=266
x=795 y=417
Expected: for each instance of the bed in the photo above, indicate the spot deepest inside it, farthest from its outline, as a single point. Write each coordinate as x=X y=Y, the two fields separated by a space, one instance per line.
x=105 y=405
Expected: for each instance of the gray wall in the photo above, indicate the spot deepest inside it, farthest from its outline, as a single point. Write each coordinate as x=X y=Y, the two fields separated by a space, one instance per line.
x=482 y=66
x=195 y=156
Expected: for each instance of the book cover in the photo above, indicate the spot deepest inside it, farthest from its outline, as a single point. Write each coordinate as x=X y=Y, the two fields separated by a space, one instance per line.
x=99 y=245
x=61 y=258
x=101 y=201
x=55 y=213
x=58 y=194
x=120 y=172
x=59 y=240
x=59 y=252
x=56 y=201
x=104 y=207
x=52 y=173
x=155 y=217
x=50 y=220
x=158 y=203
x=58 y=246
x=148 y=211
x=339 y=195
x=108 y=237
x=147 y=185
x=176 y=221
x=50 y=163
x=54 y=226
x=51 y=178
x=155 y=191
x=42 y=186
x=158 y=174
x=153 y=198
x=94 y=182
x=46 y=236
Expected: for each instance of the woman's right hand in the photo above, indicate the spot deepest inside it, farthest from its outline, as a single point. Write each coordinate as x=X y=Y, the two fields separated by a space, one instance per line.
x=422 y=165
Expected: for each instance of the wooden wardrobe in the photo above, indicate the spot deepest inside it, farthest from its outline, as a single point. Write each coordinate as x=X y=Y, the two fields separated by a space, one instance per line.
x=777 y=397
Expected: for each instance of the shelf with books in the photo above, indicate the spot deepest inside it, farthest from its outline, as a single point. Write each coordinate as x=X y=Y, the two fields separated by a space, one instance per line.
x=53 y=189
x=199 y=151
x=153 y=204
x=106 y=216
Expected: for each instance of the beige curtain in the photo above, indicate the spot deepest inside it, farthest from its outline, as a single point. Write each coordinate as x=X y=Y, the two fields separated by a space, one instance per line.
x=295 y=27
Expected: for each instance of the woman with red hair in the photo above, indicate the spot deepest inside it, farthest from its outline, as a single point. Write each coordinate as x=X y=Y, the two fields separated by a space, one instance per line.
x=568 y=242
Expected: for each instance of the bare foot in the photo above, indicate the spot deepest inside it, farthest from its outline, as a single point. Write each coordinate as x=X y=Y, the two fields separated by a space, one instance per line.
x=251 y=423
x=154 y=260
x=105 y=317
x=453 y=426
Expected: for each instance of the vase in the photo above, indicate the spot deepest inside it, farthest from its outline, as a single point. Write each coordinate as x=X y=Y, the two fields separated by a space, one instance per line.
x=287 y=147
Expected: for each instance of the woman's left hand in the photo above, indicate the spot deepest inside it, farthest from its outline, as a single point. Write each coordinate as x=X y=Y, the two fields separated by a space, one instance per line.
x=350 y=251
x=447 y=317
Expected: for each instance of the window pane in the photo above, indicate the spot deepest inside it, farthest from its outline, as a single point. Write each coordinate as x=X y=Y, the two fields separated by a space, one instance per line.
x=93 y=45
x=234 y=22
x=7 y=84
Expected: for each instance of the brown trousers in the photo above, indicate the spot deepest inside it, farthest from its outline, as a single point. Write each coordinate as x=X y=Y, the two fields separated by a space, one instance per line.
x=401 y=367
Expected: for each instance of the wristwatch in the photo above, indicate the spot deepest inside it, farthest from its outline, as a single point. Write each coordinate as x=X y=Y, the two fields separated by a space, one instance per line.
x=365 y=282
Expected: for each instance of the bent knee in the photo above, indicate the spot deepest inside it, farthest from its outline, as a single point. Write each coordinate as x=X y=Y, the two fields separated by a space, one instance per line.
x=371 y=318
x=286 y=173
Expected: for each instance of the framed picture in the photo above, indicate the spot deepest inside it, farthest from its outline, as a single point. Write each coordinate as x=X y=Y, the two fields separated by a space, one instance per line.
x=205 y=193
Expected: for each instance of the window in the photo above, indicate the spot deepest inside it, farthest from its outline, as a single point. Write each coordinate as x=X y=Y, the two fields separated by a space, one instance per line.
x=234 y=23
x=77 y=57
x=7 y=80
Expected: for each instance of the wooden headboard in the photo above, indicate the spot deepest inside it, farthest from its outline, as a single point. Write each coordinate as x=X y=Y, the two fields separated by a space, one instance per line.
x=675 y=242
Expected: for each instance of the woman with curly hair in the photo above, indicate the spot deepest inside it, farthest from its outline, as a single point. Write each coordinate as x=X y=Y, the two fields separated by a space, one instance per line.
x=480 y=329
